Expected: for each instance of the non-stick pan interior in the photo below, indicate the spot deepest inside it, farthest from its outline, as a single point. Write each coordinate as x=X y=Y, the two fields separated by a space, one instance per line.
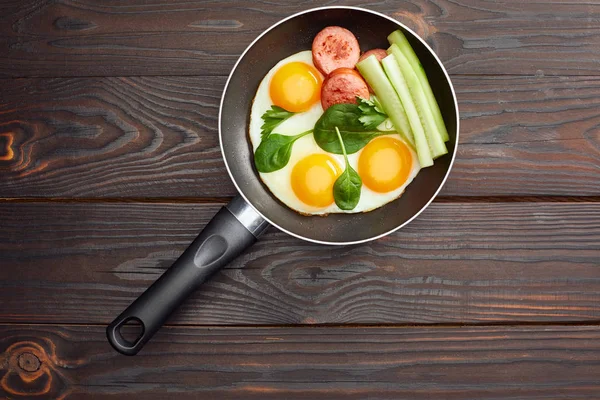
x=294 y=35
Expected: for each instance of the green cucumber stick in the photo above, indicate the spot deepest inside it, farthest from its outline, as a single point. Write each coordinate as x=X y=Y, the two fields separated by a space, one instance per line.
x=434 y=138
x=371 y=70
x=394 y=74
x=398 y=38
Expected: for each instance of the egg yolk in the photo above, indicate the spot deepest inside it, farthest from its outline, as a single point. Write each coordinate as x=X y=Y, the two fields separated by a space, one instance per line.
x=313 y=178
x=384 y=164
x=295 y=87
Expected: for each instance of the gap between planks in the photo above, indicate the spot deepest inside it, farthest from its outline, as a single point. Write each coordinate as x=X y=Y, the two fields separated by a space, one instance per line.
x=224 y=200
x=339 y=326
x=452 y=75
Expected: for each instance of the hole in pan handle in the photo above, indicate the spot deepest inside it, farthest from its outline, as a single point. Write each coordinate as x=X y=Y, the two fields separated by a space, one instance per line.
x=233 y=229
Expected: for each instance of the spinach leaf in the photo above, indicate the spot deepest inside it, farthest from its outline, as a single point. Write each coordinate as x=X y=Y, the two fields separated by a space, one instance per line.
x=272 y=118
x=346 y=118
x=346 y=189
x=372 y=113
x=274 y=152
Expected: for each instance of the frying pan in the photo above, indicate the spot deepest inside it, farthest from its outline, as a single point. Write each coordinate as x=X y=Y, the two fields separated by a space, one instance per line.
x=238 y=225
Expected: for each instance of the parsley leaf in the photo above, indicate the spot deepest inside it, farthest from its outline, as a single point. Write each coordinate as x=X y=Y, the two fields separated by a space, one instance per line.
x=372 y=112
x=272 y=118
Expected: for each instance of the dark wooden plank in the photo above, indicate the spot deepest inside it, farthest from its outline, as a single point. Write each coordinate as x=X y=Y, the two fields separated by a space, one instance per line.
x=114 y=137
x=85 y=38
x=457 y=263
x=481 y=363
x=157 y=137
x=522 y=136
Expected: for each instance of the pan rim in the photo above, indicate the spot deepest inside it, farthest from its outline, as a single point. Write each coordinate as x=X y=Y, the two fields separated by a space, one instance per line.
x=333 y=243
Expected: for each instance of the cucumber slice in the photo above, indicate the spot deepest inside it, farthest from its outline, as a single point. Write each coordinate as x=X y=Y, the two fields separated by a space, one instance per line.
x=398 y=38
x=398 y=82
x=416 y=95
x=371 y=70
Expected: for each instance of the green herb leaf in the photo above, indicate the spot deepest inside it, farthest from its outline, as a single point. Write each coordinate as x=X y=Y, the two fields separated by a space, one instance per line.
x=272 y=118
x=372 y=113
x=273 y=153
x=346 y=118
x=369 y=105
x=346 y=189
x=372 y=121
x=378 y=106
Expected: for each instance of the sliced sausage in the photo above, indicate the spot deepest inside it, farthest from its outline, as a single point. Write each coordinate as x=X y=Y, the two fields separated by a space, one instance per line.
x=342 y=86
x=335 y=47
x=344 y=70
x=379 y=53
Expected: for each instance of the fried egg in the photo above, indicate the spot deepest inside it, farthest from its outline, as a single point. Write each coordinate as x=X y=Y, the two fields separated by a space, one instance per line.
x=386 y=164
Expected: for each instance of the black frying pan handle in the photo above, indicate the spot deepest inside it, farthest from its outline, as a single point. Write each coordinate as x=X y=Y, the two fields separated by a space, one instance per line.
x=233 y=229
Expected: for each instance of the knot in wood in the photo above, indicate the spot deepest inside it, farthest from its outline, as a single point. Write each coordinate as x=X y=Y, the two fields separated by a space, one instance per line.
x=6 y=142
x=29 y=362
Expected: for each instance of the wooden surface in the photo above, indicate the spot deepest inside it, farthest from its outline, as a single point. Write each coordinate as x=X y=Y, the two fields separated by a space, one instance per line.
x=157 y=137
x=457 y=263
x=110 y=165
x=112 y=38
x=305 y=363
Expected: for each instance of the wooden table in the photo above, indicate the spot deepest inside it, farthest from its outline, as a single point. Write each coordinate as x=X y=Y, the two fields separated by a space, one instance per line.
x=110 y=166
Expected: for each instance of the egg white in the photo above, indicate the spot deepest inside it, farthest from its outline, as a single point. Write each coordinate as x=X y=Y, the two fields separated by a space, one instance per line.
x=279 y=182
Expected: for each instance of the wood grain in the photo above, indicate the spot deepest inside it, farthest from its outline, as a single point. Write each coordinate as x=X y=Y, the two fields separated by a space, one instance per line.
x=457 y=263
x=158 y=137
x=114 y=137
x=527 y=81
x=523 y=136
x=306 y=363
x=90 y=38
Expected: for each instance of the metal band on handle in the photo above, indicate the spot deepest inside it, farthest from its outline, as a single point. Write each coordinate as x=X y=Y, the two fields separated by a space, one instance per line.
x=247 y=216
